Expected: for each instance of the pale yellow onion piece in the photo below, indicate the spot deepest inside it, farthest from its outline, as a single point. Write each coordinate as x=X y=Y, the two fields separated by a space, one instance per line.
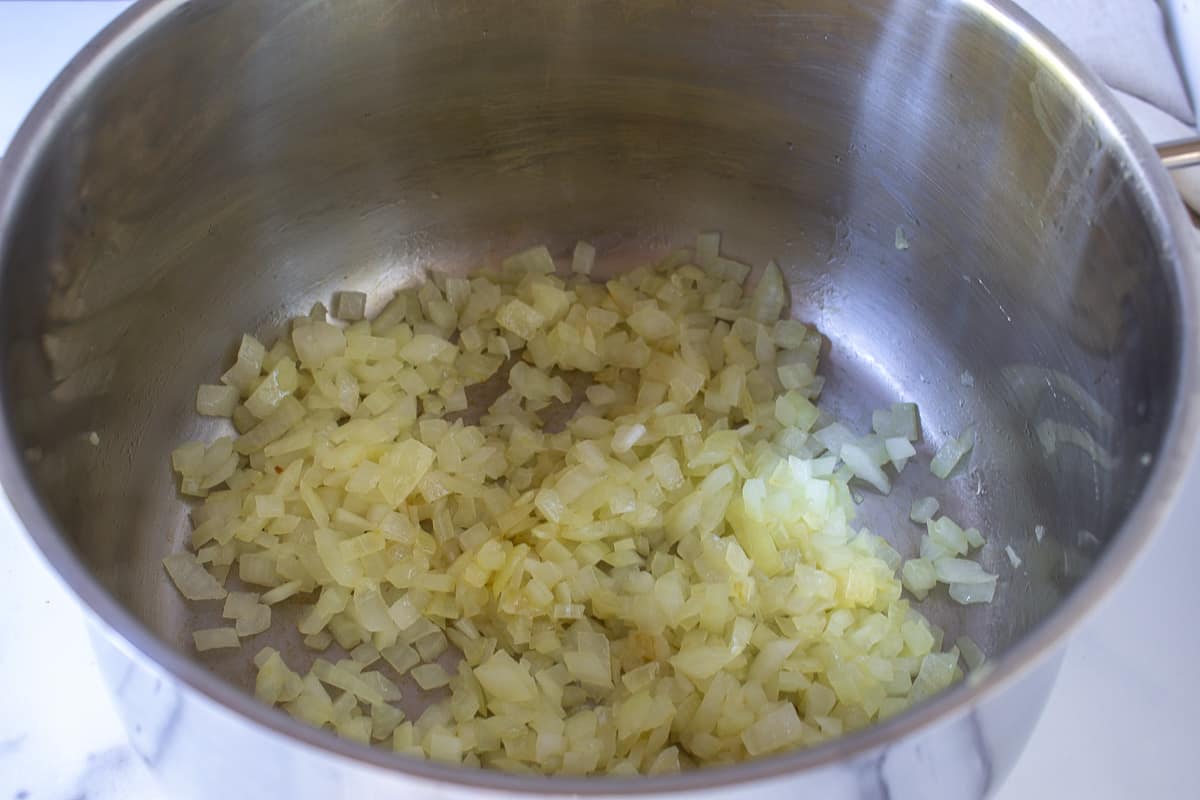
x=583 y=258
x=318 y=341
x=948 y=456
x=192 y=580
x=216 y=401
x=349 y=306
x=215 y=638
x=254 y=621
x=245 y=370
x=535 y=259
x=923 y=509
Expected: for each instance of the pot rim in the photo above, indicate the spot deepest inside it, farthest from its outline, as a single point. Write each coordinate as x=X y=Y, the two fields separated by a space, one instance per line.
x=1172 y=230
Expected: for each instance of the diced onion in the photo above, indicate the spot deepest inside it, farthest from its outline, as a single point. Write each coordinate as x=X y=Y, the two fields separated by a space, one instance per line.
x=899 y=450
x=960 y=570
x=248 y=365
x=770 y=296
x=708 y=246
x=948 y=456
x=583 y=258
x=974 y=537
x=899 y=420
x=923 y=509
x=215 y=638
x=655 y=572
x=239 y=604
x=862 y=467
x=972 y=656
x=775 y=730
x=969 y=593
x=318 y=341
x=256 y=620
x=281 y=592
x=431 y=676
x=919 y=576
x=190 y=577
x=535 y=259
x=941 y=546
x=349 y=306
x=216 y=400
x=947 y=534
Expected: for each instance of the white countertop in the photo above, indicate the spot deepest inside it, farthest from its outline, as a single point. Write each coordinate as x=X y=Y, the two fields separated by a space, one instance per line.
x=1121 y=723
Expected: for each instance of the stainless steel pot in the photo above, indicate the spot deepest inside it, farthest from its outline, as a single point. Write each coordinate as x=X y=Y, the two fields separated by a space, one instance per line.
x=208 y=167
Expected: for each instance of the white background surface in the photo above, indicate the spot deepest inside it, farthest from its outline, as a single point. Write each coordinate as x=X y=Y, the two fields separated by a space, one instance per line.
x=1122 y=722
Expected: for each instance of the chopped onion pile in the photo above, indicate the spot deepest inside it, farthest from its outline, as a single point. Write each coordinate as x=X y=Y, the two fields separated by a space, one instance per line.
x=670 y=580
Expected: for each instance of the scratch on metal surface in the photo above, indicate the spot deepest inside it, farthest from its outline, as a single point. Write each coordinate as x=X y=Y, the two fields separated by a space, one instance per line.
x=991 y=296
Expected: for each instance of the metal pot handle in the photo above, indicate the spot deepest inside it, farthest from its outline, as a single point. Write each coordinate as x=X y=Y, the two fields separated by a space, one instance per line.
x=1180 y=153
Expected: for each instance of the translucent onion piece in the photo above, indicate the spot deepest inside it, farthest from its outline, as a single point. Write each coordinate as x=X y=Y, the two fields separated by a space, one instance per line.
x=349 y=306
x=970 y=593
x=583 y=258
x=951 y=453
x=216 y=401
x=961 y=570
x=192 y=580
x=923 y=509
x=215 y=638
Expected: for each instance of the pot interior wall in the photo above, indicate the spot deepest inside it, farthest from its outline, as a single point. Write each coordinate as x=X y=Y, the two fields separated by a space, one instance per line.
x=245 y=159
